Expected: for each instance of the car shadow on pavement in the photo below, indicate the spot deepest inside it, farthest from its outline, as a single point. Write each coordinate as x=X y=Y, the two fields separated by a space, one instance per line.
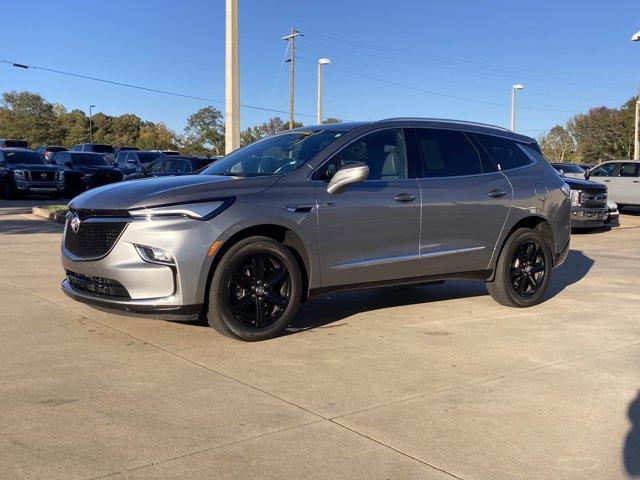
x=574 y=269
x=24 y=227
x=631 y=449
x=323 y=311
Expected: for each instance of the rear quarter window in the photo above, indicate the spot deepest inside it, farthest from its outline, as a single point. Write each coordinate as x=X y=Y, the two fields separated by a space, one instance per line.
x=505 y=152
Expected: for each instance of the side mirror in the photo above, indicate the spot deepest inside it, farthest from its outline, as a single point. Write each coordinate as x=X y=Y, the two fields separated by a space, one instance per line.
x=587 y=174
x=561 y=172
x=347 y=175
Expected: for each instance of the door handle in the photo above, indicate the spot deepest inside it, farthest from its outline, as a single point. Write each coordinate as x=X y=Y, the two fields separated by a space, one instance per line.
x=607 y=181
x=404 y=197
x=497 y=193
x=636 y=181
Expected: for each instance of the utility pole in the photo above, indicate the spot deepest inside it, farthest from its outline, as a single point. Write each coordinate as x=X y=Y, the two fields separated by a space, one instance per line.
x=232 y=89
x=636 y=150
x=321 y=62
x=291 y=38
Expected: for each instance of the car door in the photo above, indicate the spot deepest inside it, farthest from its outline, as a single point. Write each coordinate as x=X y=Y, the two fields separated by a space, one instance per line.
x=370 y=231
x=608 y=174
x=627 y=183
x=465 y=202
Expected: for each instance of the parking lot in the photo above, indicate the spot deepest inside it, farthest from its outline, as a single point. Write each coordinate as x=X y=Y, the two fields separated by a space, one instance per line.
x=430 y=382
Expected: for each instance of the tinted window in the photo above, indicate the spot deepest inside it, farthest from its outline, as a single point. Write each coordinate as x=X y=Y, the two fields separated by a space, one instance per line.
x=15 y=143
x=26 y=157
x=60 y=158
x=146 y=157
x=177 y=166
x=504 y=152
x=88 y=159
x=156 y=165
x=606 y=170
x=447 y=153
x=100 y=148
x=629 y=170
x=121 y=159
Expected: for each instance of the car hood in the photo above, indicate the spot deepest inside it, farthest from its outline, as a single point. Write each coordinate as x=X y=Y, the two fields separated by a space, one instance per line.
x=166 y=190
x=22 y=166
x=577 y=184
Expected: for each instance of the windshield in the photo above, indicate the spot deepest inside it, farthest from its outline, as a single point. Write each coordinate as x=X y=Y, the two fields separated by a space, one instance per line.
x=27 y=158
x=90 y=160
x=101 y=148
x=274 y=155
x=568 y=168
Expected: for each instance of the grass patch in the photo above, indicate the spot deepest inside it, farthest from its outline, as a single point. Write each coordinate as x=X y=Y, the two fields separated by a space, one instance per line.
x=61 y=209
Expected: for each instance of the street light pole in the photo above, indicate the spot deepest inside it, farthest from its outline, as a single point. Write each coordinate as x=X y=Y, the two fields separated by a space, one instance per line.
x=91 y=107
x=514 y=88
x=232 y=88
x=321 y=62
x=636 y=139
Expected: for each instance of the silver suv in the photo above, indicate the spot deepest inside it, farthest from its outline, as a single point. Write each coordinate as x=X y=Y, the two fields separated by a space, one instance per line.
x=321 y=209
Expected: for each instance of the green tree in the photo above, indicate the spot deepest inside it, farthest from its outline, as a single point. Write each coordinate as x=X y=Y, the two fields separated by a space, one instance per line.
x=331 y=120
x=204 y=132
x=155 y=136
x=28 y=116
x=558 y=145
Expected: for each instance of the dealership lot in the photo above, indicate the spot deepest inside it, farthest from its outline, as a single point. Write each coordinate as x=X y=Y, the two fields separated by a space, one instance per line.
x=429 y=382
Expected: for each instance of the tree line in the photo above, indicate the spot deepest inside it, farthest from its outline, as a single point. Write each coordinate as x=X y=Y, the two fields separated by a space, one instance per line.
x=28 y=116
x=602 y=133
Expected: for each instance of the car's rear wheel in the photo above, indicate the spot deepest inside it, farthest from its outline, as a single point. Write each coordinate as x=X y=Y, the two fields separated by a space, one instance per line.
x=523 y=270
x=255 y=290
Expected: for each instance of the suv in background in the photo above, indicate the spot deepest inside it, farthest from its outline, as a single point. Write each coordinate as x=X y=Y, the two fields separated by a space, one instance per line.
x=85 y=170
x=170 y=166
x=25 y=171
x=49 y=151
x=8 y=143
x=321 y=209
x=96 y=148
x=133 y=161
x=622 y=178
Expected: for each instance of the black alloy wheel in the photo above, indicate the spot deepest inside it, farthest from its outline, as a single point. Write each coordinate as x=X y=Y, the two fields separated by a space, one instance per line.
x=259 y=290
x=528 y=268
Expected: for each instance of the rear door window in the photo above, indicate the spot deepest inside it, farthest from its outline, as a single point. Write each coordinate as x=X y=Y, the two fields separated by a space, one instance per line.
x=447 y=153
x=504 y=152
x=629 y=170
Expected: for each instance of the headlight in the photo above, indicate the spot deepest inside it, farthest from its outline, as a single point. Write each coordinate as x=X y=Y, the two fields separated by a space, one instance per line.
x=155 y=255
x=575 y=197
x=60 y=174
x=20 y=174
x=198 y=211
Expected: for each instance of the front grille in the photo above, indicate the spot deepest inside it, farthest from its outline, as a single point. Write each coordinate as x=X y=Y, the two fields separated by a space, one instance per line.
x=93 y=239
x=97 y=285
x=593 y=199
x=102 y=213
x=42 y=176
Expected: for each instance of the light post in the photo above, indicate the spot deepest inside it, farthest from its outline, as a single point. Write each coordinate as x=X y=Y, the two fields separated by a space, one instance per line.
x=321 y=62
x=636 y=139
x=91 y=107
x=514 y=88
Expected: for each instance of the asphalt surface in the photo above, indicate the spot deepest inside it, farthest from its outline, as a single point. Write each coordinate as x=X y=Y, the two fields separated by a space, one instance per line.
x=430 y=382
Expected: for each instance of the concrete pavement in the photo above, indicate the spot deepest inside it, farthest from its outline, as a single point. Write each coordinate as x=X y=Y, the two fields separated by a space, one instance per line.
x=428 y=382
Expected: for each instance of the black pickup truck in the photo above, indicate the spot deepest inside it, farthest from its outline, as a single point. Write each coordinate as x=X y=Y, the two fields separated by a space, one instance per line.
x=589 y=207
x=25 y=171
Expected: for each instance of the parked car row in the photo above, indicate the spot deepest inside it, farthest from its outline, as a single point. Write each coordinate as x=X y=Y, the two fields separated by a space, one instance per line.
x=56 y=171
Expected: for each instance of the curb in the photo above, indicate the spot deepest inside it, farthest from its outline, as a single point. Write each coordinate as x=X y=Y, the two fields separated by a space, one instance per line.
x=41 y=212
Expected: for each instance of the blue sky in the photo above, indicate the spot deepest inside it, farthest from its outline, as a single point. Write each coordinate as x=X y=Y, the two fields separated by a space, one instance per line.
x=389 y=58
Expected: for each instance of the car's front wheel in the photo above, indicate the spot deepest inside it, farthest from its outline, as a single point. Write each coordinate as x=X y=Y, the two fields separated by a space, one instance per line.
x=255 y=290
x=523 y=270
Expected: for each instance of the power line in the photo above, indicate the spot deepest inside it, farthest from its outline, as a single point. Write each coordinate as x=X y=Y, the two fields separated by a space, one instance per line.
x=147 y=89
x=500 y=70
x=440 y=94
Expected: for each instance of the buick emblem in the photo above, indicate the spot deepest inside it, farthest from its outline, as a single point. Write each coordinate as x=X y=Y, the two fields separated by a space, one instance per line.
x=43 y=175
x=75 y=223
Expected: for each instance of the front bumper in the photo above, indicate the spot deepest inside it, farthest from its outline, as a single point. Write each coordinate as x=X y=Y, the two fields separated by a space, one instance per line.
x=39 y=187
x=589 y=217
x=144 y=287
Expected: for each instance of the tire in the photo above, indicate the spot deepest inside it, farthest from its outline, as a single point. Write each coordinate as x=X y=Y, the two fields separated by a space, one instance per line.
x=7 y=191
x=234 y=305
x=520 y=267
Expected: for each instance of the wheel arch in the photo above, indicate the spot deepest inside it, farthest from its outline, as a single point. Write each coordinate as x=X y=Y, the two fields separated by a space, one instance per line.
x=533 y=222
x=280 y=233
